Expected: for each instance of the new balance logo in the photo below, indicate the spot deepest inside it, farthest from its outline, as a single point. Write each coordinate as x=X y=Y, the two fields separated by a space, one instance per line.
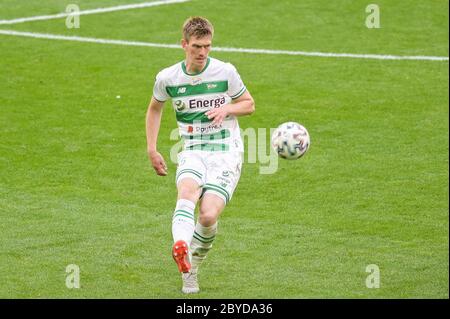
x=211 y=86
x=181 y=90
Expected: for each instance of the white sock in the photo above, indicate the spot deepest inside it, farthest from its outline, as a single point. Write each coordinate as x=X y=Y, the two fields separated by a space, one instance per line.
x=183 y=222
x=201 y=243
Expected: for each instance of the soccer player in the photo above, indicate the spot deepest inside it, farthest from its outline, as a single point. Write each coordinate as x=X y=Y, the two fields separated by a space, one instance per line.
x=207 y=96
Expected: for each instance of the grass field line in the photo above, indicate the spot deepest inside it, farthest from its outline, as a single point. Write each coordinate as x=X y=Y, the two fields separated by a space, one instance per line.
x=93 y=11
x=221 y=49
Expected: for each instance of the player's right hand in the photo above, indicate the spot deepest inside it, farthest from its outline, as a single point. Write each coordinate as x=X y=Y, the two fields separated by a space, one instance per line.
x=158 y=163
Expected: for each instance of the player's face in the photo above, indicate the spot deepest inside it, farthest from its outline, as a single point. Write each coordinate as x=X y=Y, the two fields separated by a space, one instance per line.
x=197 y=50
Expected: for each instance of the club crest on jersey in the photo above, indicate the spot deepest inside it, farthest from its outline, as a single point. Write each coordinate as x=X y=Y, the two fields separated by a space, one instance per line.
x=180 y=105
x=196 y=81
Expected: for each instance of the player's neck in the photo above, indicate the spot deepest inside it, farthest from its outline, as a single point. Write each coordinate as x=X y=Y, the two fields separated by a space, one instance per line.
x=193 y=68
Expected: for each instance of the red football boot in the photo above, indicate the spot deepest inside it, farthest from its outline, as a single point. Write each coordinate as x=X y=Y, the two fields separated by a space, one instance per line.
x=181 y=256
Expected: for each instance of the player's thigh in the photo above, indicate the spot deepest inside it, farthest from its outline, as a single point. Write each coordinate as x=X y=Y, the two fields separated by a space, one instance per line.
x=189 y=189
x=190 y=176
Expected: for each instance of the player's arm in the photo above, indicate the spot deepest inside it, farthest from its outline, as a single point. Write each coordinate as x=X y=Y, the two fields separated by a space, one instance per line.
x=153 y=122
x=243 y=105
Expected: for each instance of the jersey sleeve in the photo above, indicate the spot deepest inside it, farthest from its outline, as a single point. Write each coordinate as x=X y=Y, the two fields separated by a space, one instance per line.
x=235 y=85
x=159 y=89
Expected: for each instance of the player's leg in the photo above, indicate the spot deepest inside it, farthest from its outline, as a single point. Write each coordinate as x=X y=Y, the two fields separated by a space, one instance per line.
x=211 y=206
x=189 y=183
x=223 y=175
x=183 y=221
x=223 y=172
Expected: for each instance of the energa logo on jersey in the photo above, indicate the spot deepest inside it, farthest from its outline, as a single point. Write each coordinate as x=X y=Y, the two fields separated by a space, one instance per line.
x=217 y=102
x=199 y=103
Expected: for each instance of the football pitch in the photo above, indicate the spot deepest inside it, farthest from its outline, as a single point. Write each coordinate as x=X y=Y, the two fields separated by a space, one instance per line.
x=372 y=192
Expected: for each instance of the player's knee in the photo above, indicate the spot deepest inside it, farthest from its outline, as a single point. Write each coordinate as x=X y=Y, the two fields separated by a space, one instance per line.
x=208 y=218
x=208 y=214
x=210 y=209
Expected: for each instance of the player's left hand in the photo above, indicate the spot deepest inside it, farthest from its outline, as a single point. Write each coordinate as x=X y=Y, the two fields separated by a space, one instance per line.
x=218 y=114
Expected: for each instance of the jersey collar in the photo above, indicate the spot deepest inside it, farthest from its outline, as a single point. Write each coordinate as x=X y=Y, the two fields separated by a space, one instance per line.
x=183 y=66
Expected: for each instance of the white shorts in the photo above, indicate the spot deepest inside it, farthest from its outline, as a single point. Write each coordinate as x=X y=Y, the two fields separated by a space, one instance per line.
x=216 y=172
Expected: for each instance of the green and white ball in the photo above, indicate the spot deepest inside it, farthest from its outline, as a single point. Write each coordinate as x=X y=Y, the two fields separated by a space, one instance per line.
x=290 y=140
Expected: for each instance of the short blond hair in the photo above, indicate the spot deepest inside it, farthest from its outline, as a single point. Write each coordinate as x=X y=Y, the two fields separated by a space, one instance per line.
x=197 y=26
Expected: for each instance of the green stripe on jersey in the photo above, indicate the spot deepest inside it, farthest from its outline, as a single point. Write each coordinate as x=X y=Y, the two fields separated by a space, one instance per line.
x=190 y=118
x=202 y=88
x=212 y=147
x=208 y=137
x=195 y=117
x=239 y=93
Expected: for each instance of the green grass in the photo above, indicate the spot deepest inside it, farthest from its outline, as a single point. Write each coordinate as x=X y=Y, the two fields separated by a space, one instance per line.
x=76 y=185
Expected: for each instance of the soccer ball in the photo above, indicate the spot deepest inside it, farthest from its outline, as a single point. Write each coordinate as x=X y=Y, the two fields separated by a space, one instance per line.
x=290 y=140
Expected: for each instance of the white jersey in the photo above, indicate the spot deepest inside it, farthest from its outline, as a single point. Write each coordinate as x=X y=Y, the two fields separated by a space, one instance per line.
x=194 y=94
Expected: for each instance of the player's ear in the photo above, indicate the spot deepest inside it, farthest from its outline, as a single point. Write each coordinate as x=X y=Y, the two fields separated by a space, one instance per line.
x=184 y=43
